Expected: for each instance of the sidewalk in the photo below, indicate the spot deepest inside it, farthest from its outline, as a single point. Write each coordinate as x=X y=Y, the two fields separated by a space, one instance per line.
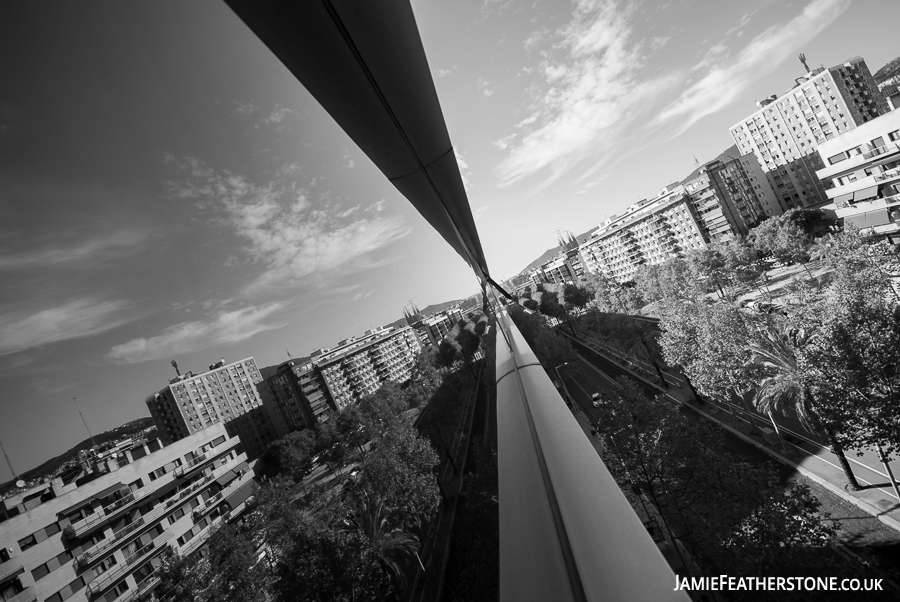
x=818 y=465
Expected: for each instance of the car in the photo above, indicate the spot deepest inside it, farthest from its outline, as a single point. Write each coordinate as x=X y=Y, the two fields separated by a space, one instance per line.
x=595 y=398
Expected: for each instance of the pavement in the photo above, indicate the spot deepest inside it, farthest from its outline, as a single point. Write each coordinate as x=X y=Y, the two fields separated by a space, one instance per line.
x=801 y=450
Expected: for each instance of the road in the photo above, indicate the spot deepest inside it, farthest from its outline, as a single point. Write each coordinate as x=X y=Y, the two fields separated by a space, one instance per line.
x=867 y=467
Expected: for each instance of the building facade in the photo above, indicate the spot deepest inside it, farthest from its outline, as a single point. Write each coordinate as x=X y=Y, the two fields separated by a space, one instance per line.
x=863 y=168
x=299 y=395
x=786 y=130
x=226 y=393
x=724 y=198
x=650 y=232
x=101 y=540
x=358 y=366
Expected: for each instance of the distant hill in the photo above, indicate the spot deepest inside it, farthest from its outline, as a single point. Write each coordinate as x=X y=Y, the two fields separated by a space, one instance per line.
x=50 y=466
x=888 y=71
x=551 y=253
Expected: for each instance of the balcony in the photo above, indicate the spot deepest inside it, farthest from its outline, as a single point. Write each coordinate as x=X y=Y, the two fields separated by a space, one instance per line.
x=104 y=514
x=26 y=595
x=11 y=568
x=188 y=468
x=145 y=586
x=140 y=555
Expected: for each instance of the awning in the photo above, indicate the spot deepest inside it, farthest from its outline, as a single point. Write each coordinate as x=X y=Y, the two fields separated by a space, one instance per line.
x=242 y=467
x=243 y=492
x=858 y=220
x=878 y=217
x=866 y=193
x=843 y=199
x=81 y=504
x=226 y=478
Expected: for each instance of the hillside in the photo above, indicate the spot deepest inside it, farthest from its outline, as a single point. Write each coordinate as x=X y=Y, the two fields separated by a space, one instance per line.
x=890 y=70
x=551 y=253
x=427 y=311
x=50 y=466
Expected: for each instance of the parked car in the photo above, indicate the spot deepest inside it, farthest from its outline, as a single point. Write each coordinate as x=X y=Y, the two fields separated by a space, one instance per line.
x=595 y=399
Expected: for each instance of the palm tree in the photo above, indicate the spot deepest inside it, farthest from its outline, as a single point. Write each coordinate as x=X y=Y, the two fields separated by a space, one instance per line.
x=390 y=541
x=786 y=386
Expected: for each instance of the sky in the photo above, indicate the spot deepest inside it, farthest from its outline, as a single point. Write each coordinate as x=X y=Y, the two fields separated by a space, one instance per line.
x=169 y=191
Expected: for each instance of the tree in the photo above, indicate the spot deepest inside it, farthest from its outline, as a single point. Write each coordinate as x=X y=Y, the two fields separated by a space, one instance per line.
x=446 y=355
x=786 y=385
x=468 y=344
x=424 y=379
x=783 y=238
x=550 y=305
x=575 y=296
x=711 y=344
x=391 y=543
x=480 y=327
x=530 y=304
x=290 y=455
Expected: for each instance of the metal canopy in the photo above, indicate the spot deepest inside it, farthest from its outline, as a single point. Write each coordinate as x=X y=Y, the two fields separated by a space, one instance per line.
x=365 y=64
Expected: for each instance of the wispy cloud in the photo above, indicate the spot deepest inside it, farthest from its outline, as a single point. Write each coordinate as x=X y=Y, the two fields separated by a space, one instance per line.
x=447 y=72
x=727 y=78
x=588 y=94
x=77 y=318
x=225 y=328
x=92 y=250
x=245 y=108
x=283 y=232
x=281 y=117
x=464 y=170
x=484 y=87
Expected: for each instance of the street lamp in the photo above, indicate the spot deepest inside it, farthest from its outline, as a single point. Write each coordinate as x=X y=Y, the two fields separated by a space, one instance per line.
x=561 y=383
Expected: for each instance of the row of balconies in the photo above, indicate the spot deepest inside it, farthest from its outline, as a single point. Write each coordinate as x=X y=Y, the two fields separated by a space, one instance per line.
x=143 y=553
x=102 y=515
x=95 y=552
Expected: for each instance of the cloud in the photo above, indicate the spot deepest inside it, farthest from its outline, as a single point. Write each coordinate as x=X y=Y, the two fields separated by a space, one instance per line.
x=90 y=251
x=741 y=23
x=447 y=72
x=464 y=171
x=504 y=142
x=225 y=328
x=283 y=233
x=245 y=108
x=588 y=94
x=77 y=318
x=278 y=114
x=726 y=79
x=358 y=297
x=483 y=87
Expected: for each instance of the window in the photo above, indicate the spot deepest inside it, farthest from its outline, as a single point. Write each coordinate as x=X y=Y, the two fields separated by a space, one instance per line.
x=27 y=542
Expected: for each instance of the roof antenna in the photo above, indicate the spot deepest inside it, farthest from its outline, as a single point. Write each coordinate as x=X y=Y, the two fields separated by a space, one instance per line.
x=802 y=58
x=289 y=353
x=93 y=443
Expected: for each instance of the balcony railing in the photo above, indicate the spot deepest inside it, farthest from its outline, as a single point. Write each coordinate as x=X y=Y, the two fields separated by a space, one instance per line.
x=190 y=466
x=143 y=553
x=11 y=568
x=146 y=584
x=107 y=512
x=881 y=150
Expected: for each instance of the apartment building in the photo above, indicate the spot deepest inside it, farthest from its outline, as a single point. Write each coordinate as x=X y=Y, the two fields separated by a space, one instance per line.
x=100 y=537
x=358 y=366
x=565 y=267
x=786 y=130
x=299 y=395
x=226 y=393
x=724 y=197
x=650 y=232
x=863 y=167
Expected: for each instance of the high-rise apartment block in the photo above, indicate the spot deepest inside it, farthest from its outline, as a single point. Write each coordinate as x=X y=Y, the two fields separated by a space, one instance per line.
x=785 y=131
x=299 y=394
x=863 y=167
x=650 y=232
x=725 y=198
x=226 y=393
x=358 y=366
x=101 y=537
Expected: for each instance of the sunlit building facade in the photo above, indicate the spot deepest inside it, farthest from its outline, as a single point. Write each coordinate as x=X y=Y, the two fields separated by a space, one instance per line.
x=358 y=366
x=226 y=393
x=863 y=168
x=102 y=539
x=786 y=130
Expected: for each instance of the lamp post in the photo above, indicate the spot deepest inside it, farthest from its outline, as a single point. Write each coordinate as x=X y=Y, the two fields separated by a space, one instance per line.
x=561 y=383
